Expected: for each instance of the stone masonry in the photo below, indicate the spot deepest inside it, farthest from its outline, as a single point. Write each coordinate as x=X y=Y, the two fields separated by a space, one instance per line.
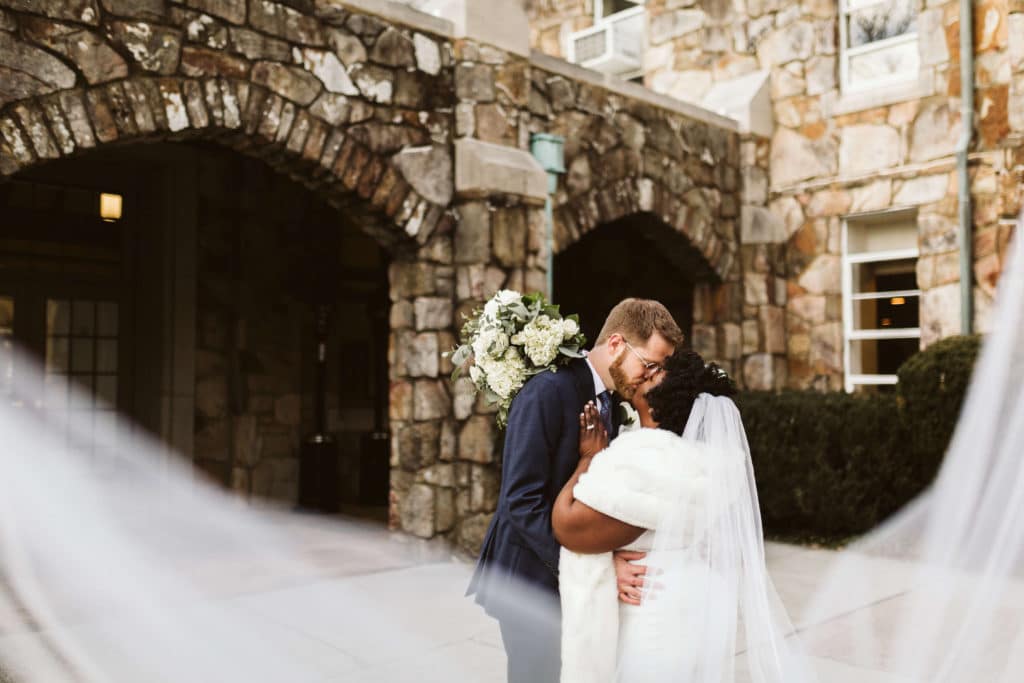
x=832 y=155
x=376 y=108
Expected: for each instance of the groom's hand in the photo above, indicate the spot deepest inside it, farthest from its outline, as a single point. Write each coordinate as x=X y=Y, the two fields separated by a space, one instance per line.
x=629 y=576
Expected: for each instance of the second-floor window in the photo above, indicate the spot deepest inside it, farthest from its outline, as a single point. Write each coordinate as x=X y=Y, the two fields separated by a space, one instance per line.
x=606 y=8
x=879 y=43
x=615 y=43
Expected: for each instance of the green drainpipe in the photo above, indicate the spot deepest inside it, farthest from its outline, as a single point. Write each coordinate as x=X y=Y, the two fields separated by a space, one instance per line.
x=549 y=150
x=963 y=179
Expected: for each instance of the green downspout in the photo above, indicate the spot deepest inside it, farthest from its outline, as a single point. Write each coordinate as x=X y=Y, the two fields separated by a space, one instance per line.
x=963 y=179
x=549 y=150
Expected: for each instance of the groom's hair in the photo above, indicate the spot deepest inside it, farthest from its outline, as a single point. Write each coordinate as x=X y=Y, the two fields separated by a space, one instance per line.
x=637 y=320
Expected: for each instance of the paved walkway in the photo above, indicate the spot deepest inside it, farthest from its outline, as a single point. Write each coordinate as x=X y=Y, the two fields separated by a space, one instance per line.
x=410 y=621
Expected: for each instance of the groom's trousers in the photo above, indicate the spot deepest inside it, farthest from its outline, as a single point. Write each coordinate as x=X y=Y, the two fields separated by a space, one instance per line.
x=533 y=650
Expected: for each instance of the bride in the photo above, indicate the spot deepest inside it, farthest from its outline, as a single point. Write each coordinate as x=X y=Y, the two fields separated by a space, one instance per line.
x=680 y=487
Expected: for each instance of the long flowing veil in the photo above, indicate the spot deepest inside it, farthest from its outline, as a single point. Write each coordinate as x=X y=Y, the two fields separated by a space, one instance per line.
x=717 y=616
x=937 y=593
x=117 y=564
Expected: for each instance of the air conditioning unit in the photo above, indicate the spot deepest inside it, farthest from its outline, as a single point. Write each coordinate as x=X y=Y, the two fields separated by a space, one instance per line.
x=614 y=45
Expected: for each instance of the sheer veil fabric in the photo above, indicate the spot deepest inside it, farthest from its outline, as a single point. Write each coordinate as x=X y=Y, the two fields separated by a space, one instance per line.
x=946 y=575
x=710 y=613
x=116 y=565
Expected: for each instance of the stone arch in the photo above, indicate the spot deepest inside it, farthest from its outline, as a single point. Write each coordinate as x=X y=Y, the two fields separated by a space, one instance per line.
x=690 y=215
x=346 y=163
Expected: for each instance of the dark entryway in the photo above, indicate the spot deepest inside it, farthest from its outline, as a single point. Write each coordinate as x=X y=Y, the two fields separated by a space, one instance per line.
x=198 y=310
x=637 y=256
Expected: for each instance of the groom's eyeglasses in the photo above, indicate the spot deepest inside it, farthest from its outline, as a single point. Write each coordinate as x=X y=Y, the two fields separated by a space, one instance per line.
x=650 y=367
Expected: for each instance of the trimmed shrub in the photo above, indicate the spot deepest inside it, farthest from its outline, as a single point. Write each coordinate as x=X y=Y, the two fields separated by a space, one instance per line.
x=931 y=393
x=828 y=466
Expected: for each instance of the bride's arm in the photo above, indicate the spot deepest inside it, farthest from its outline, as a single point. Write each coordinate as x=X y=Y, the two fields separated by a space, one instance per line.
x=577 y=526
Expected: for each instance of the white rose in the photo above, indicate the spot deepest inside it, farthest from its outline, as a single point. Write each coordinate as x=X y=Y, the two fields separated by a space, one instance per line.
x=476 y=374
x=540 y=339
x=490 y=341
x=507 y=375
x=507 y=297
x=570 y=328
x=491 y=309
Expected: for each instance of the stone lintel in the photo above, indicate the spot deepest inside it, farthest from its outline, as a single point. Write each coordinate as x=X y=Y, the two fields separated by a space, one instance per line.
x=632 y=90
x=758 y=225
x=414 y=15
x=501 y=23
x=747 y=100
x=483 y=168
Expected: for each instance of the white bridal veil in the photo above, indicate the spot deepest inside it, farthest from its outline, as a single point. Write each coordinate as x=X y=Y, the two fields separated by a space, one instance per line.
x=707 y=569
x=115 y=565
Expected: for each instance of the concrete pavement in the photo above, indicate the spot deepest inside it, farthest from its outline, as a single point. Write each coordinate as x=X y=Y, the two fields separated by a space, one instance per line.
x=407 y=620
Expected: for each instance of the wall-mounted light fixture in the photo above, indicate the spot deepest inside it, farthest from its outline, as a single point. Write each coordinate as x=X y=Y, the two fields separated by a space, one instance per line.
x=897 y=301
x=111 y=206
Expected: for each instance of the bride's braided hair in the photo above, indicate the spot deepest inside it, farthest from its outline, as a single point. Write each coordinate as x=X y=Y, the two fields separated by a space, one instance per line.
x=686 y=377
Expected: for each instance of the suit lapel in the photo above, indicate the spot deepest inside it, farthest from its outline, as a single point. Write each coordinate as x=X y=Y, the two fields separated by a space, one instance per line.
x=584 y=380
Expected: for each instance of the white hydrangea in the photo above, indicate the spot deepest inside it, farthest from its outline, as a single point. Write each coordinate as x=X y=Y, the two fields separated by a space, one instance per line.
x=570 y=328
x=505 y=376
x=505 y=297
x=490 y=341
x=540 y=339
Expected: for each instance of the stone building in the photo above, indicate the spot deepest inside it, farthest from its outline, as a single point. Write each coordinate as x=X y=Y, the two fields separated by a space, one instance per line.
x=859 y=108
x=243 y=223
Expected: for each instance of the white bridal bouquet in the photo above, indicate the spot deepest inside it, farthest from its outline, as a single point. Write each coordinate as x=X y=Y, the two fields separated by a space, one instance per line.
x=512 y=338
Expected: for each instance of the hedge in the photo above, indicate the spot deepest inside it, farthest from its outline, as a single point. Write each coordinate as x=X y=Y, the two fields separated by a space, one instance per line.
x=931 y=391
x=834 y=465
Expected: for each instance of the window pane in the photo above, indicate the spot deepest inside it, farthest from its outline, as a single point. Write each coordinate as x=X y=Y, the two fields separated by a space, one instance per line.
x=887 y=63
x=55 y=393
x=82 y=391
x=81 y=355
x=106 y=389
x=107 y=319
x=83 y=318
x=106 y=355
x=885 y=276
x=57 y=354
x=887 y=314
x=881 y=356
x=881 y=21
x=6 y=315
x=58 y=318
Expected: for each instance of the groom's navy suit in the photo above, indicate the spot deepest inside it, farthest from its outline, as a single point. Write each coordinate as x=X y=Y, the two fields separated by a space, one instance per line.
x=541 y=452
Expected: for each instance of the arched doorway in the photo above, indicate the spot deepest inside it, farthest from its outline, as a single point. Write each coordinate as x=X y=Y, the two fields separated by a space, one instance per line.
x=198 y=309
x=634 y=256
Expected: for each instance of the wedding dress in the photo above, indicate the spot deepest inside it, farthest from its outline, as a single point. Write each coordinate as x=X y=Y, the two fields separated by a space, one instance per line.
x=696 y=497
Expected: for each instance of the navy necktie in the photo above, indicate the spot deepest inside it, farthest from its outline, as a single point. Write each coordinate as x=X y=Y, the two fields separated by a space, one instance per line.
x=606 y=409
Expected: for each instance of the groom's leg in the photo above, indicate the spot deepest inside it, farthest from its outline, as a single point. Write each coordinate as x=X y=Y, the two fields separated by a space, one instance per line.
x=533 y=651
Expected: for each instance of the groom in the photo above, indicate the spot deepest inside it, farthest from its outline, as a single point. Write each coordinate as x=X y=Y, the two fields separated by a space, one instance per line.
x=540 y=455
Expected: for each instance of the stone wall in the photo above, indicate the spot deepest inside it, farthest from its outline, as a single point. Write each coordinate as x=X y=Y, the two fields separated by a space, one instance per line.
x=381 y=117
x=832 y=154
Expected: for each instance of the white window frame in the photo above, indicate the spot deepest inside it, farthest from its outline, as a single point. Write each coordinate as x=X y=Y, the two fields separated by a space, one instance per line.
x=846 y=53
x=599 y=15
x=851 y=335
x=603 y=23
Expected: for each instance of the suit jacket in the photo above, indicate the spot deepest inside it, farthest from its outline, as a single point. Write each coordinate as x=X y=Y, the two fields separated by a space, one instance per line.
x=541 y=452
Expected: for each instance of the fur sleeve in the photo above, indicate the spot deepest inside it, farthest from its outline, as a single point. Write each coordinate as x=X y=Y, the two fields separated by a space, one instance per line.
x=638 y=475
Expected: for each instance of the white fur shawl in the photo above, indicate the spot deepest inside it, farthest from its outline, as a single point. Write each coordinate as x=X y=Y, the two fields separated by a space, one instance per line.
x=634 y=480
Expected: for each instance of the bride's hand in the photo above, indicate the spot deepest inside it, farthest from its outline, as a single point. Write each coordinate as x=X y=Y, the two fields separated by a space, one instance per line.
x=593 y=435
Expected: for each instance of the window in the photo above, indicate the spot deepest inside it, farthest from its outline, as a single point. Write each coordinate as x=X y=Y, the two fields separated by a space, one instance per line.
x=615 y=43
x=81 y=368
x=881 y=301
x=606 y=8
x=878 y=43
x=6 y=347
